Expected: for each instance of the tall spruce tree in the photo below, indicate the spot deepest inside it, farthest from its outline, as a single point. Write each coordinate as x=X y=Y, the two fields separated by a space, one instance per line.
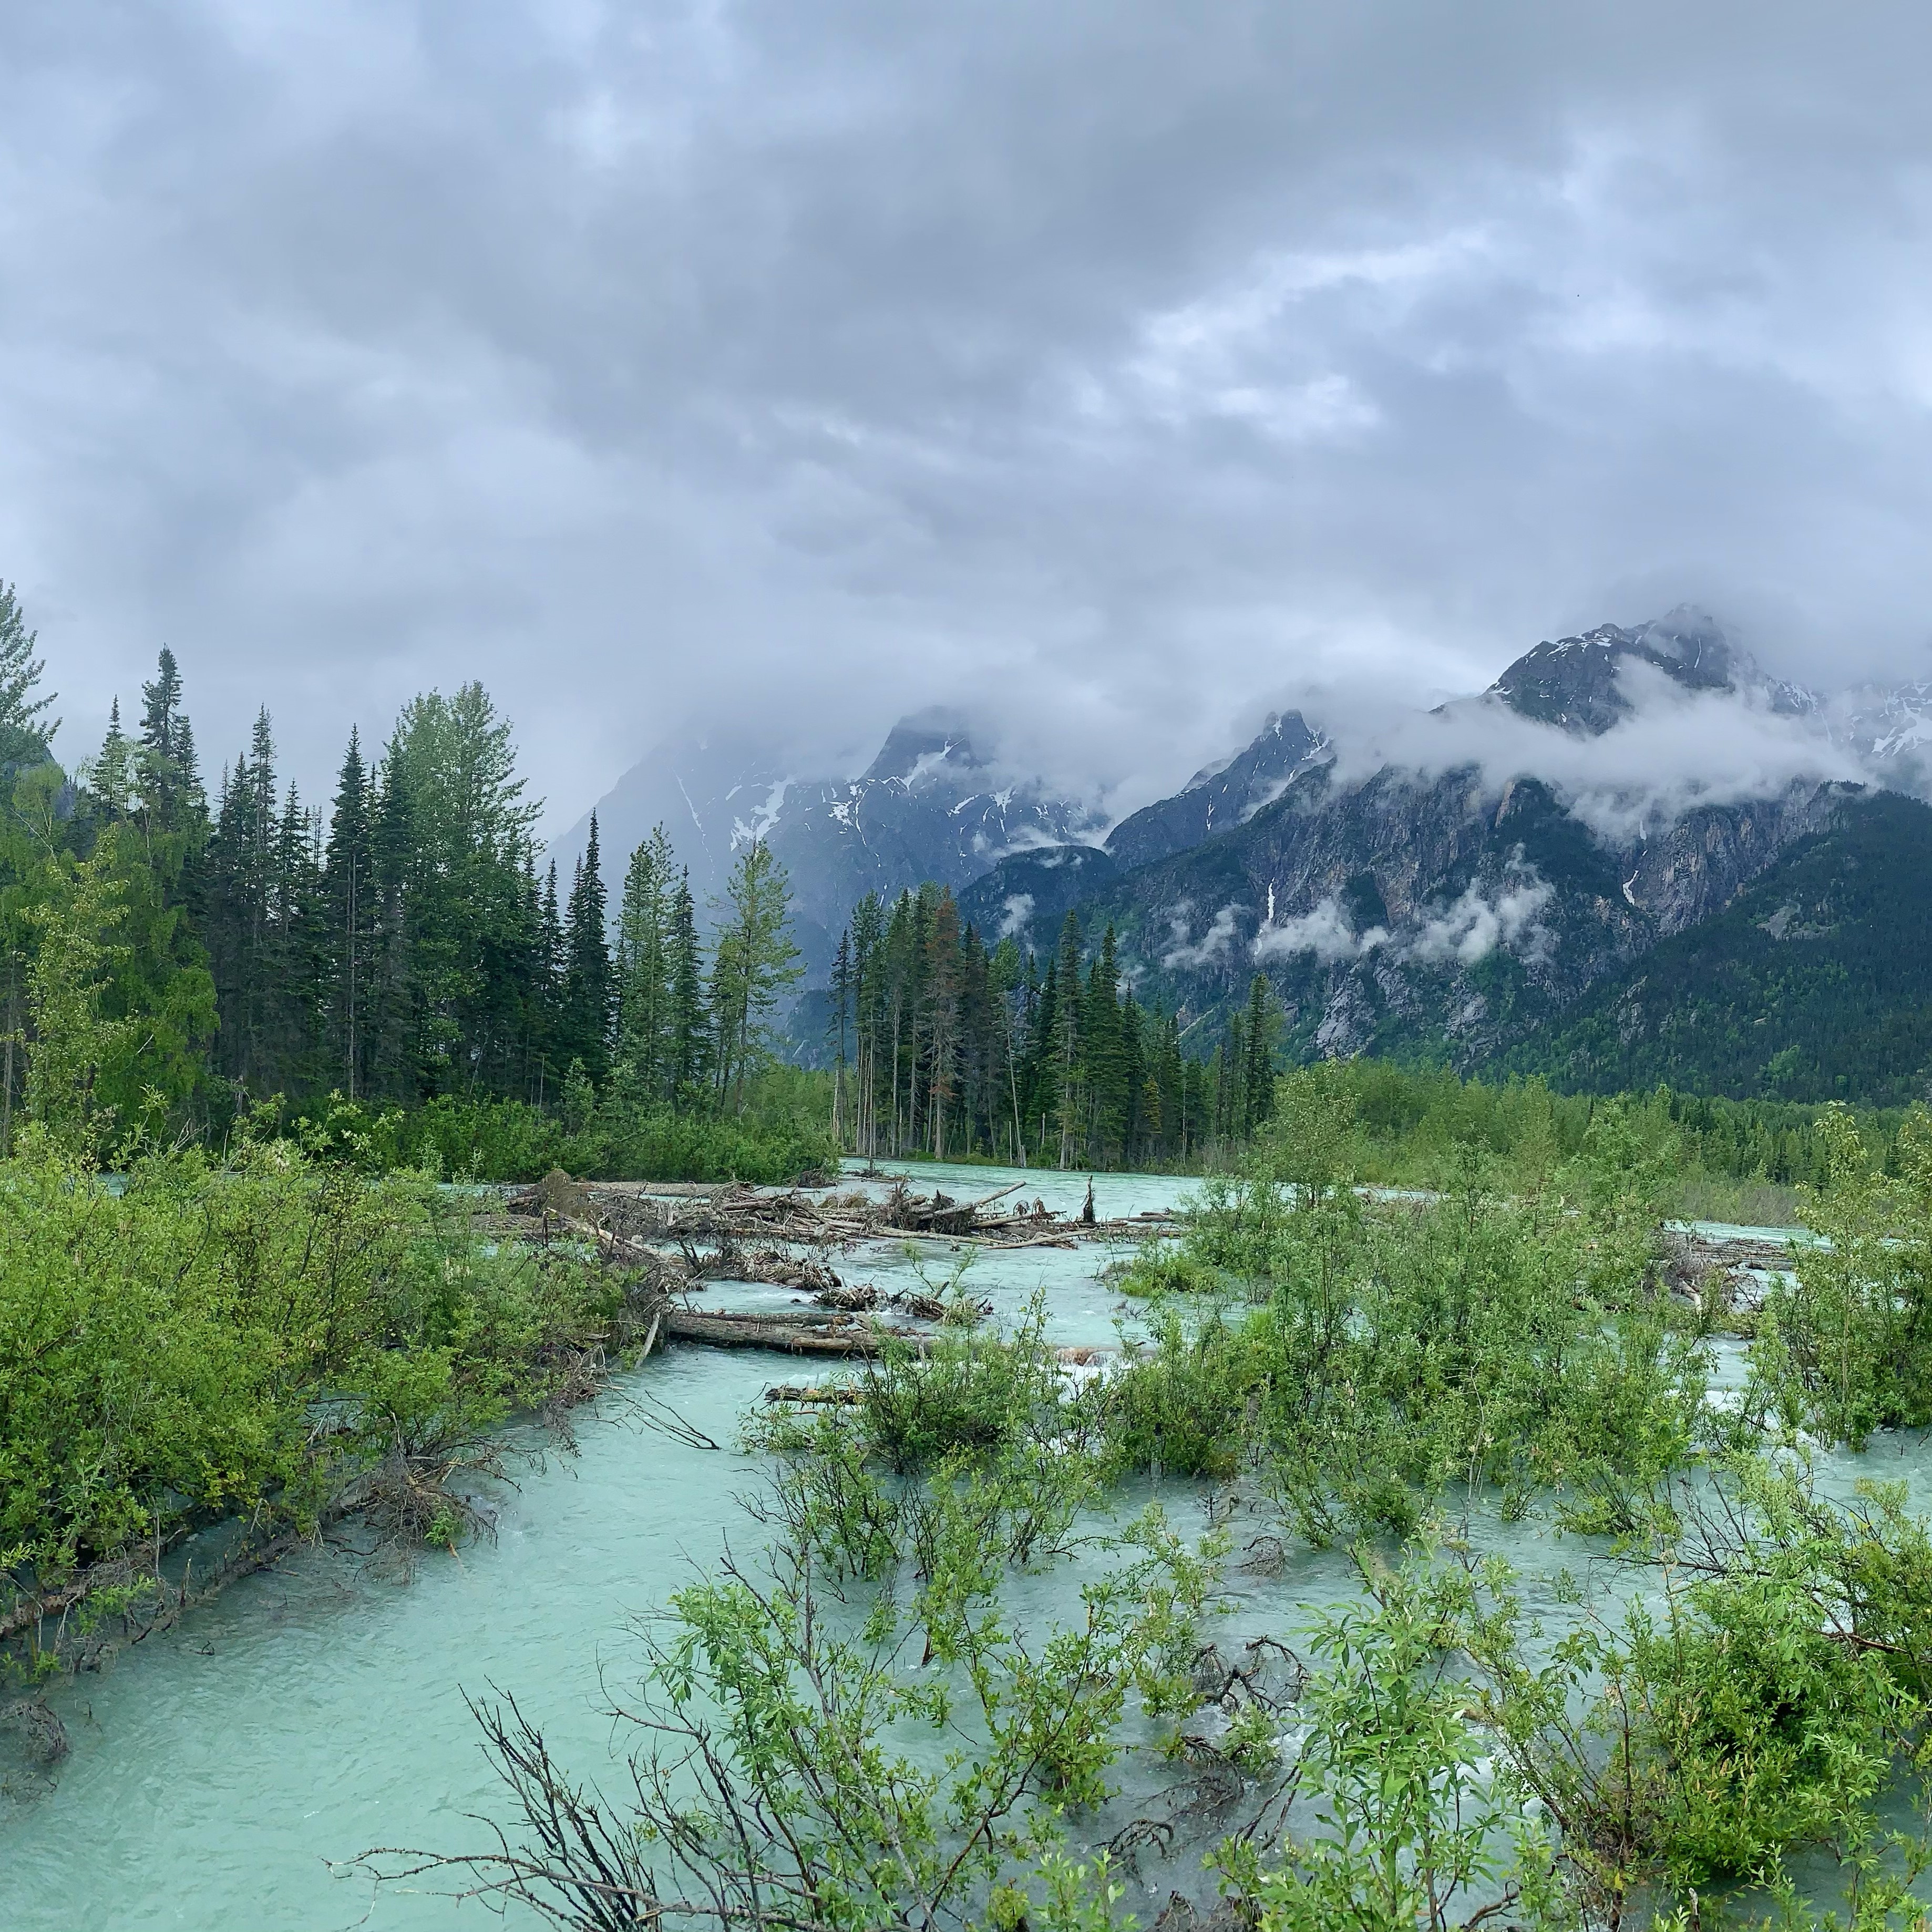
x=1069 y=1072
x=587 y=1000
x=471 y=953
x=1258 y=1073
x=753 y=965
x=644 y=967
x=353 y=904
x=26 y=733
x=552 y=1064
x=169 y=783
x=690 y=1022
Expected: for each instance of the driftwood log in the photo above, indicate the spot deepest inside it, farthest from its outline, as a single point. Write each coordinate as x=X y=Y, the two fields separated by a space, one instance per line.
x=790 y=1334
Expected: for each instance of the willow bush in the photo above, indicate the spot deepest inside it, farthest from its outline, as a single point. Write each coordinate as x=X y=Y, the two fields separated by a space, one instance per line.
x=192 y=1342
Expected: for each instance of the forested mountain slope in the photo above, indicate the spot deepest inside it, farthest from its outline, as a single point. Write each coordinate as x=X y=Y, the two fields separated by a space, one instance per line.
x=1814 y=983
x=1458 y=914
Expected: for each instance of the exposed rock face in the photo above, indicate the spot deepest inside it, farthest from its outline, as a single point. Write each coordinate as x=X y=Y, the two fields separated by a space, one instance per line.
x=1400 y=911
x=1451 y=911
x=929 y=806
x=1454 y=910
x=1577 y=683
x=1221 y=796
x=1814 y=982
x=1695 y=869
x=1028 y=893
x=1889 y=732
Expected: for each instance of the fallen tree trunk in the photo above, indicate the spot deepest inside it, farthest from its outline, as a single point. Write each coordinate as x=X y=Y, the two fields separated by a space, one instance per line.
x=789 y=1334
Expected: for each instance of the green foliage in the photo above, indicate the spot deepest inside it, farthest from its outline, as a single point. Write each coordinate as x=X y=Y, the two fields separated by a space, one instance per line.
x=1179 y=1407
x=957 y=1050
x=898 y=1751
x=1524 y=1341
x=512 y=1140
x=1763 y=1704
x=971 y=1391
x=754 y=963
x=1412 y=1831
x=164 y=1343
x=24 y=737
x=1846 y=1346
x=77 y=1048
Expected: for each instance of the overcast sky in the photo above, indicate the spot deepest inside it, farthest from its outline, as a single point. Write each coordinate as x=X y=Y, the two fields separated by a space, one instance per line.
x=1123 y=367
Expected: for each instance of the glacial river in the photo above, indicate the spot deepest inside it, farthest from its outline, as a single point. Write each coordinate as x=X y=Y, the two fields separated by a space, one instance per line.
x=222 y=1773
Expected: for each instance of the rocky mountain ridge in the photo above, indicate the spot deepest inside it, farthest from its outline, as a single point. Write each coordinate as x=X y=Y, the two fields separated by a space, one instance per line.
x=930 y=805
x=1458 y=913
x=1462 y=909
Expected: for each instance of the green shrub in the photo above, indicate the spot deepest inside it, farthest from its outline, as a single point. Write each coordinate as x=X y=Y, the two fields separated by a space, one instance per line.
x=510 y=1141
x=1178 y=1408
x=975 y=1393
x=164 y=1344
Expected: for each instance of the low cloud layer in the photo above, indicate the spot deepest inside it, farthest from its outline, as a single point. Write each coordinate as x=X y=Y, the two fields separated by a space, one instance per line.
x=1479 y=919
x=1479 y=922
x=1474 y=924
x=1215 y=946
x=1677 y=750
x=1325 y=932
x=678 y=365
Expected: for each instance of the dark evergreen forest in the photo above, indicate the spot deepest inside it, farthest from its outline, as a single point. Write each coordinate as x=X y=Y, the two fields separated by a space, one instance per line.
x=178 y=947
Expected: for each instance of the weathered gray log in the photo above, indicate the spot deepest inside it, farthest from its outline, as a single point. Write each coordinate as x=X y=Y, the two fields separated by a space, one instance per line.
x=789 y=1334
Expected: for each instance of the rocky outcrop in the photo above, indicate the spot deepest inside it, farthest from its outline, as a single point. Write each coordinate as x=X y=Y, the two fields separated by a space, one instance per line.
x=1219 y=796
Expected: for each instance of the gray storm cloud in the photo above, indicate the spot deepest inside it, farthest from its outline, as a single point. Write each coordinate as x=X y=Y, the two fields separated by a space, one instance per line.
x=675 y=365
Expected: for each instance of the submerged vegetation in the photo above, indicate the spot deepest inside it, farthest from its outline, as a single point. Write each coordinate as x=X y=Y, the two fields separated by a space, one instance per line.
x=1709 y=1709
x=1406 y=1308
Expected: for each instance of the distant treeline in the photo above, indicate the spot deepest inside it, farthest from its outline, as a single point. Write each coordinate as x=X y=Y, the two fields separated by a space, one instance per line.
x=169 y=961
x=942 y=1045
x=946 y=1046
x=397 y=970
x=1409 y=1120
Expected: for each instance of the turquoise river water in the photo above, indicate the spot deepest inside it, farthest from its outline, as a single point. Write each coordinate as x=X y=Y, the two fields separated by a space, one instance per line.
x=222 y=1774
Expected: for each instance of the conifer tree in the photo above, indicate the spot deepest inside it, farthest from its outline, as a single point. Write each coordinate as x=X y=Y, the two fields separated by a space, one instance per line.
x=941 y=992
x=393 y=1073
x=24 y=736
x=241 y=857
x=1258 y=1073
x=868 y=931
x=169 y=784
x=836 y=1033
x=690 y=1023
x=547 y=995
x=643 y=966
x=586 y=1001
x=1103 y=1054
x=1070 y=1097
x=753 y=965
x=352 y=903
